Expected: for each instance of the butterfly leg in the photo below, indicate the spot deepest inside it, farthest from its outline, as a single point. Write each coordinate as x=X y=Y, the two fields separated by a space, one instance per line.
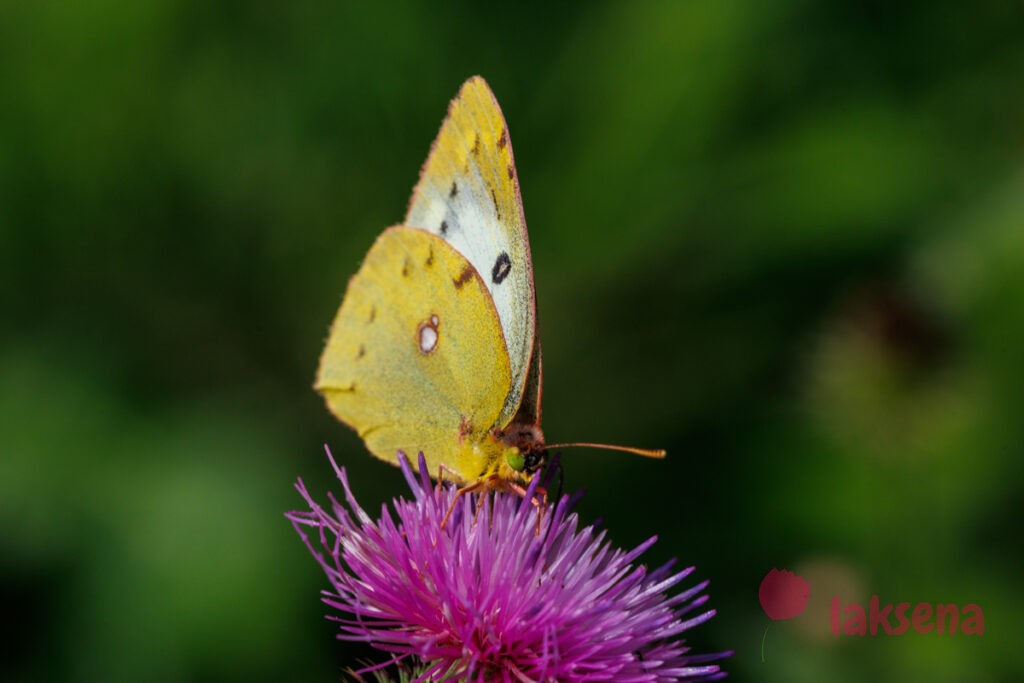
x=539 y=499
x=441 y=469
x=480 y=503
x=476 y=486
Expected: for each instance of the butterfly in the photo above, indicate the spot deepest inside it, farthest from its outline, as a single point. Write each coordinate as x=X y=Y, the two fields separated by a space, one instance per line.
x=435 y=347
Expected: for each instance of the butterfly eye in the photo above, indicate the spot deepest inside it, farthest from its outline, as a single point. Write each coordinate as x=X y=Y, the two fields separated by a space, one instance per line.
x=533 y=460
x=516 y=460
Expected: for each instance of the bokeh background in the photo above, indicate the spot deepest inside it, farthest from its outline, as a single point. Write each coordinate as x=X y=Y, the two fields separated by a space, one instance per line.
x=783 y=240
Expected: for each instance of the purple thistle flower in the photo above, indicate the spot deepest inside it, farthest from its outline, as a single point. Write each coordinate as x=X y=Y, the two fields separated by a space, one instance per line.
x=497 y=595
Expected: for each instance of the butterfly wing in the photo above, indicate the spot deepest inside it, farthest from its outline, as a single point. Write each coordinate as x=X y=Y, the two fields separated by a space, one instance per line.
x=529 y=407
x=416 y=359
x=468 y=194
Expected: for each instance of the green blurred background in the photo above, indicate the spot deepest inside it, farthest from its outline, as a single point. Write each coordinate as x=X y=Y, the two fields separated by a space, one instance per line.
x=783 y=240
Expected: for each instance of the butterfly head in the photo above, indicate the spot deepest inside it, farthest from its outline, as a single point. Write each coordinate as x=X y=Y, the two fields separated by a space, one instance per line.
x=525 y=452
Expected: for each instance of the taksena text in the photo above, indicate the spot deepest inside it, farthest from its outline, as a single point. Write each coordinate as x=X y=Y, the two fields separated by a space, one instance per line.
x=895 y=621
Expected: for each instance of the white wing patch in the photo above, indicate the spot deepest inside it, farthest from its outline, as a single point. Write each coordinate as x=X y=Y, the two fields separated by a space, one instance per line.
x=468 y=194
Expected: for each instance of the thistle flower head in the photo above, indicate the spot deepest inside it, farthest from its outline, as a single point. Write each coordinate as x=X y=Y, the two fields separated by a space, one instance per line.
x=498 y=595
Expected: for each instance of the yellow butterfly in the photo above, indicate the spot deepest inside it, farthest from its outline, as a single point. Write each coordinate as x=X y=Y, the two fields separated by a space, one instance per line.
x=435 y=346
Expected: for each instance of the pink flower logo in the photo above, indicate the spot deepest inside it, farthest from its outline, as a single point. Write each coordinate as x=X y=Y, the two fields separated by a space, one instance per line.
x=783 y=594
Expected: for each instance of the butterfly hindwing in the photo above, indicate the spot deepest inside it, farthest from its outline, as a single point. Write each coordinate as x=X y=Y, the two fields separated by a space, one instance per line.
x=468 y=194
x=416 y=358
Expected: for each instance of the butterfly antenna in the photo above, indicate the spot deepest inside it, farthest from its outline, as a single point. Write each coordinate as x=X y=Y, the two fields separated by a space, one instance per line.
x=646 y=452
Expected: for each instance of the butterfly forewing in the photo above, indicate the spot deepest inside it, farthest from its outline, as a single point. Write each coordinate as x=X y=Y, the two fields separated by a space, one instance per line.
x=468 y=194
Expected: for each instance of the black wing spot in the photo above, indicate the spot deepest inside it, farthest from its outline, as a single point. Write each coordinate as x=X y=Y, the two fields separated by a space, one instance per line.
x=362 y=352
x=444 y=227
x=503 y=138
x=476 y=144
x=511 y=172
x=494 y=199
x=502 y=267
x=373 y=314
x=430 y=258
x=405 y=268
x=454 y=191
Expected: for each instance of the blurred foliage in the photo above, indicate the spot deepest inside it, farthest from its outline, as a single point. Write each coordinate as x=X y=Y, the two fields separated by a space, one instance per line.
x=783 y=240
